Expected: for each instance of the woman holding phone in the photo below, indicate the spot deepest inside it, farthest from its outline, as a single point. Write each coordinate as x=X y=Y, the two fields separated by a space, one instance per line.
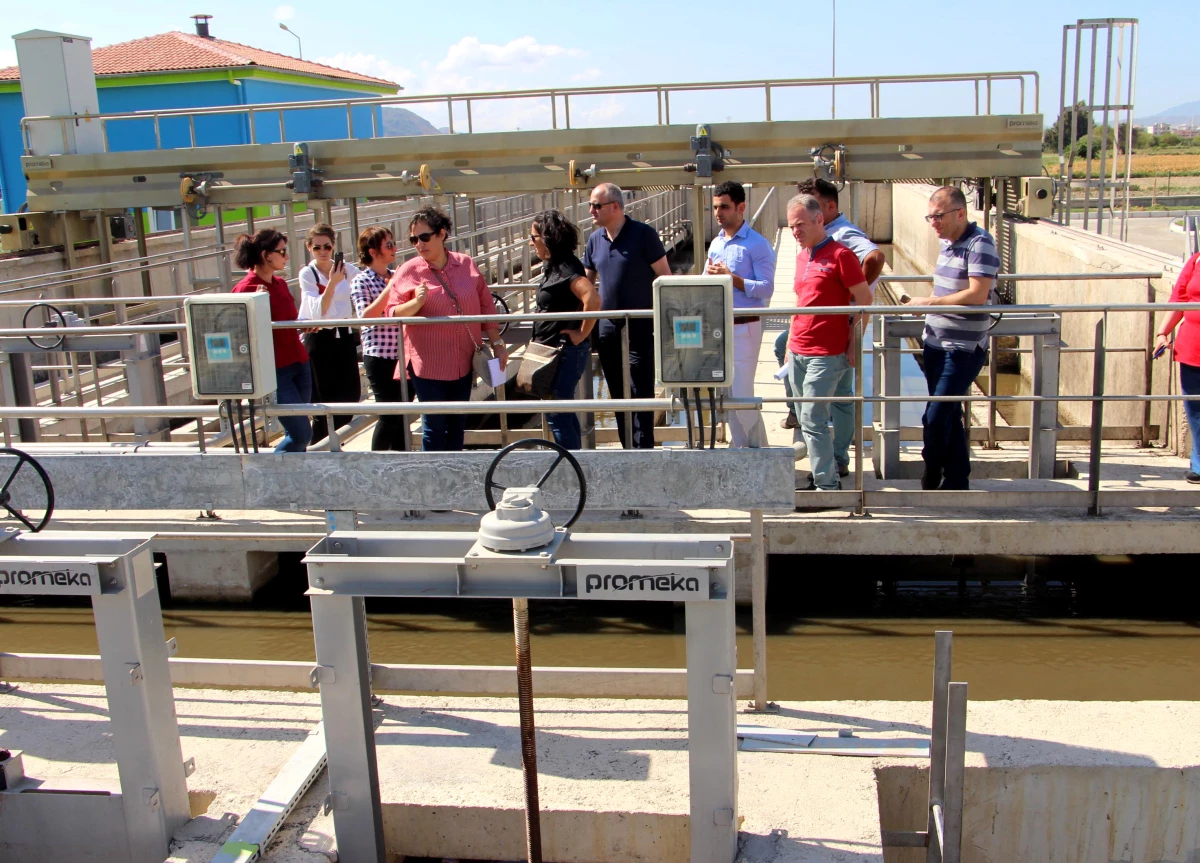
x=440 y=283
x=325 y=295
x=1186 y=352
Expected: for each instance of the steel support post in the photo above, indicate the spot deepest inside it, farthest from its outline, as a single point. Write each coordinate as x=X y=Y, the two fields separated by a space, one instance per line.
x=626 y=418
x=1043 y=416
x=1097 y=430
x=295 y=245
x=16 y=383
x=888 y=462
x=712 y=729
x=146 y=386
x=956 y=753
x=352 y=212
x=186 y=222
x=699 y=220
x=1148 y=365
x=942 y=667
x=342 y=672
x=140 y=214
x=141 y=704
x=223 y=269
x=758 y=605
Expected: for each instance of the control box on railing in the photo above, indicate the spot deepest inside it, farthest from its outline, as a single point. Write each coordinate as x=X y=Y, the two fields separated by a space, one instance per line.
x=693 y=331
x=233 y=355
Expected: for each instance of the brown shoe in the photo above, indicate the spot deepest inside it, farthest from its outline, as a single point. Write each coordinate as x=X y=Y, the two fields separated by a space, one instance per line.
x=789 y=421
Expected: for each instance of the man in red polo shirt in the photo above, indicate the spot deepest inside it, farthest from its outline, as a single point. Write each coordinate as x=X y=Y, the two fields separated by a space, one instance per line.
x=827 y=274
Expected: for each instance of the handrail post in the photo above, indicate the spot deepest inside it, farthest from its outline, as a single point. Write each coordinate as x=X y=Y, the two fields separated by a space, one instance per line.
x=943 y=642
x=956 y=756
x=1097 y=421
x=758 y=603
x=1148 y=365
x=626 y=418
x=860 y=505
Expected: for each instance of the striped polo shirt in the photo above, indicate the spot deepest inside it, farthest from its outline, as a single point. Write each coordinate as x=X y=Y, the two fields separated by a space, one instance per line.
x=972 y=254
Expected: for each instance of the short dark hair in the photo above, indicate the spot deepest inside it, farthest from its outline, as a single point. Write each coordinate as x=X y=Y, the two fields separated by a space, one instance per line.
x=436 y=220
x=249 y=252
x=558 y=233
x=953 y=194
x=818 y=187
x=371 y=240
x=321 y=229
x=735 y=191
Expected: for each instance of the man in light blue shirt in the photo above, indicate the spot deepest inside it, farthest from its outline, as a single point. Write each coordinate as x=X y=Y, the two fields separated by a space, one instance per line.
x=740 y=251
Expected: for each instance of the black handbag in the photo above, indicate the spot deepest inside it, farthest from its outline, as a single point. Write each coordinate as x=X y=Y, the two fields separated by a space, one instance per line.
x=539 y=366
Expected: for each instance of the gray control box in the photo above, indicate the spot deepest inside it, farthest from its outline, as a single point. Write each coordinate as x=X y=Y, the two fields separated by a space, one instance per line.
x=233 y=355
x=693 y=331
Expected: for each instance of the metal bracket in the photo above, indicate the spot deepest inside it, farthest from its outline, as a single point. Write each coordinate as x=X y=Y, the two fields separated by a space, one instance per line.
x=172 y=647
x=150 y=798
x=831 y=167
x=189 y=767
x=335 y=802
x=722 y=684
x=135 y=672
x=320 y=674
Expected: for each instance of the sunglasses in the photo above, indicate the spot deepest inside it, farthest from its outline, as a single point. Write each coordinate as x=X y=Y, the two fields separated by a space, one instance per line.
x=535 y=236
x=423 y=238
x=937 y=217
x=592 y=205
x=325 y=248
x=283 y=250
x=388 y=244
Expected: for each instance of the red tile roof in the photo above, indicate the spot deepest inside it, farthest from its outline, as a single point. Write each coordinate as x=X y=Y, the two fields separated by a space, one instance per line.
x=177 y=52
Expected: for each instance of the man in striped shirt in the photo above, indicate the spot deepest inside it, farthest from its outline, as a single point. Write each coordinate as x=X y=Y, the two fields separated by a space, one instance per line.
x=955 y=344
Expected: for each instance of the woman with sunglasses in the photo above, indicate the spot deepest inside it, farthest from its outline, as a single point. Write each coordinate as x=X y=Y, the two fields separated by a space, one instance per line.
x=325 y=295
x=440 y=283
x=376 y=254
x=264 y=255
x=564 y=288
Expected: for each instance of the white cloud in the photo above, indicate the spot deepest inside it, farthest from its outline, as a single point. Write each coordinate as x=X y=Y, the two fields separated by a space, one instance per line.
x=521 y=54
x=586 y=75
x=8 y=58
x=285 y=13
x=370 y=64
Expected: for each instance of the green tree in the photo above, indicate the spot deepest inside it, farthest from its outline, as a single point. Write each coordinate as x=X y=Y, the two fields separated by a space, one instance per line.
x=1050 y=138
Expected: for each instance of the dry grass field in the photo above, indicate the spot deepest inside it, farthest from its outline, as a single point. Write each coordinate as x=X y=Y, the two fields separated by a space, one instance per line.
x=1145 y=164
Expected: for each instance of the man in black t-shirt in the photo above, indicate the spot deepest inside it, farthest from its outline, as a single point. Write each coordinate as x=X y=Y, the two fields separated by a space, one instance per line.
x=626 y=255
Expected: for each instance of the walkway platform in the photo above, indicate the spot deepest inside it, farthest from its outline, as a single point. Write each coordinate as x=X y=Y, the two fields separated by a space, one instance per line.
x=613 y=776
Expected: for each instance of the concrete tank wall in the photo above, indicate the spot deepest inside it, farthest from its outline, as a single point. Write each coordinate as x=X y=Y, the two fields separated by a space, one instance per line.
x=1044 y=247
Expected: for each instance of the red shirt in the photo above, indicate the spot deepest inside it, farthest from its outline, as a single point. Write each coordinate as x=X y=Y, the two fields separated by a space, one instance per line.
x=288 y=349
x=1187 y=290
x=441 y=352
x=824 y=280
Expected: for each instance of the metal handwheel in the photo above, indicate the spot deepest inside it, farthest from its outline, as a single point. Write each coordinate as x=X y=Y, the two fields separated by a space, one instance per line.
x=51 y=313
x=502 y=307
x=6 y=500
x=538 y=443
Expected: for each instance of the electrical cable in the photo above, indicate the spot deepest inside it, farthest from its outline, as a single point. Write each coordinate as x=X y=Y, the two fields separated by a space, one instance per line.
x=699 y=415
x=232 y=430
x=253 y=424
x=712 y=412
x=687 y=415
x=241 y=425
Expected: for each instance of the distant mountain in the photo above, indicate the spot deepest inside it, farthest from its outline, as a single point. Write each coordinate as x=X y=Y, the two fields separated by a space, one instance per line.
x=401 y=122
x=1179 y=114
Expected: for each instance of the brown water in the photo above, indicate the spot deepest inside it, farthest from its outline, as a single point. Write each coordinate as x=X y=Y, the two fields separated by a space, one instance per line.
x=1060 y=642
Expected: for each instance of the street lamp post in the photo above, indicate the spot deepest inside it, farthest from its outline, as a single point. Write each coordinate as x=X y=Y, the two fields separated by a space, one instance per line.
x=833 y=88
x=299 y=45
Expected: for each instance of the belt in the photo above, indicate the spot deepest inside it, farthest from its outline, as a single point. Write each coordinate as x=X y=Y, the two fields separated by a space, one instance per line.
x=745 y=319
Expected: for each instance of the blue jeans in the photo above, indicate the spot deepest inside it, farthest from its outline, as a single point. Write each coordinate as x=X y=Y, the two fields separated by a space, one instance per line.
x=293 y=385
x=572 y=360
x=443 y=432
x=947 y=451
x=842 y=413
x=818 y=376
x=1189 y=381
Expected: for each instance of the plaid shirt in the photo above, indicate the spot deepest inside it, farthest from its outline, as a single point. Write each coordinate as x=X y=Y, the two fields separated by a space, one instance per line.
x=376 y=341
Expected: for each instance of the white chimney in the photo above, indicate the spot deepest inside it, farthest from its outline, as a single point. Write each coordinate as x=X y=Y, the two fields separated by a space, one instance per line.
x=58 y=79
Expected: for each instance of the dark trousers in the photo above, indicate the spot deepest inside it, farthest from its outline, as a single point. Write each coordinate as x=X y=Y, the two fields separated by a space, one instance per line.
x=571 y=362
x=389 y=430
x=443 y=432
x=334 y=361
x=641 y=374
x=293 y=386
x=947 y=451
x=1189 y=382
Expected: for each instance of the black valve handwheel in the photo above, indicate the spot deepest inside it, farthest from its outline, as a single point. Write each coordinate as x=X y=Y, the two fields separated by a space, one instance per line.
x=502 y=308
x=6 y=500
x=51 y=313
x=564 y=454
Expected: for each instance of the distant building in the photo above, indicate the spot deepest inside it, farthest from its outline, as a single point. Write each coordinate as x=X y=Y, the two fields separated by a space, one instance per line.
x=1158 y=128
x=195 y=70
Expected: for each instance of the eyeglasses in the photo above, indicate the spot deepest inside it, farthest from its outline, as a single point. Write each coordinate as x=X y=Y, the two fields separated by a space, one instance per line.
x=535 y=236
x=423 y=238
x=388 y=244
x=937 y=217
x=592 y=205
x=327 y=247
x=282 y=250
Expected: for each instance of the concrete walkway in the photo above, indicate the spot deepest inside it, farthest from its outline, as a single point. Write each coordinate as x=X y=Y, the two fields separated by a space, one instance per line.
x=613 y=775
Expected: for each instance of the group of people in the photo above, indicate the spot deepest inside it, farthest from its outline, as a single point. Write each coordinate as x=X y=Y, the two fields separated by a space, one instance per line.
x=837 y=265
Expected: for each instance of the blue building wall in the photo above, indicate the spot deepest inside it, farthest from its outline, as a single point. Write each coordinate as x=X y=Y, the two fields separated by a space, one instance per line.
x=314 y=124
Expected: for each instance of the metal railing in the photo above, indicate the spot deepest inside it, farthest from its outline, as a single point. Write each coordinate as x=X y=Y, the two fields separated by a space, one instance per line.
x=982 y=81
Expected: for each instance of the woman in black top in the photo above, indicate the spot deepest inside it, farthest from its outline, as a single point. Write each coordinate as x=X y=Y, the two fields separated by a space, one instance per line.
x=564 y=288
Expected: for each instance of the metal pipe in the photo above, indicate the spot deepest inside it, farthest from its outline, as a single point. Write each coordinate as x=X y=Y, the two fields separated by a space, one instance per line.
x=758 y=605
x=533 y=825
x=1097 y=421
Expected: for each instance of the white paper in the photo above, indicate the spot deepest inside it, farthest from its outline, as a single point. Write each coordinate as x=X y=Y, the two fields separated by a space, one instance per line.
x=782 y=373
x=497 y=373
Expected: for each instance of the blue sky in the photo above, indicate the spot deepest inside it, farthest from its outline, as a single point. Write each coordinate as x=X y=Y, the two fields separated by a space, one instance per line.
x=469 y=45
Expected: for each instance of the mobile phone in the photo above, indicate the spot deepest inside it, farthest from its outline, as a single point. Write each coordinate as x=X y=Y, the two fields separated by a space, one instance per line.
x=339 y=260
x=1158 y=353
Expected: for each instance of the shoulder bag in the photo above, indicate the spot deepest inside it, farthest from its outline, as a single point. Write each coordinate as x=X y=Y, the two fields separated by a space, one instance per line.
x=482 y=354
x=539 y=366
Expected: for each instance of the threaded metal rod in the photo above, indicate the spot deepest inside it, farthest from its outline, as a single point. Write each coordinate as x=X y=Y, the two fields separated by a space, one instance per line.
x=533 y=824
